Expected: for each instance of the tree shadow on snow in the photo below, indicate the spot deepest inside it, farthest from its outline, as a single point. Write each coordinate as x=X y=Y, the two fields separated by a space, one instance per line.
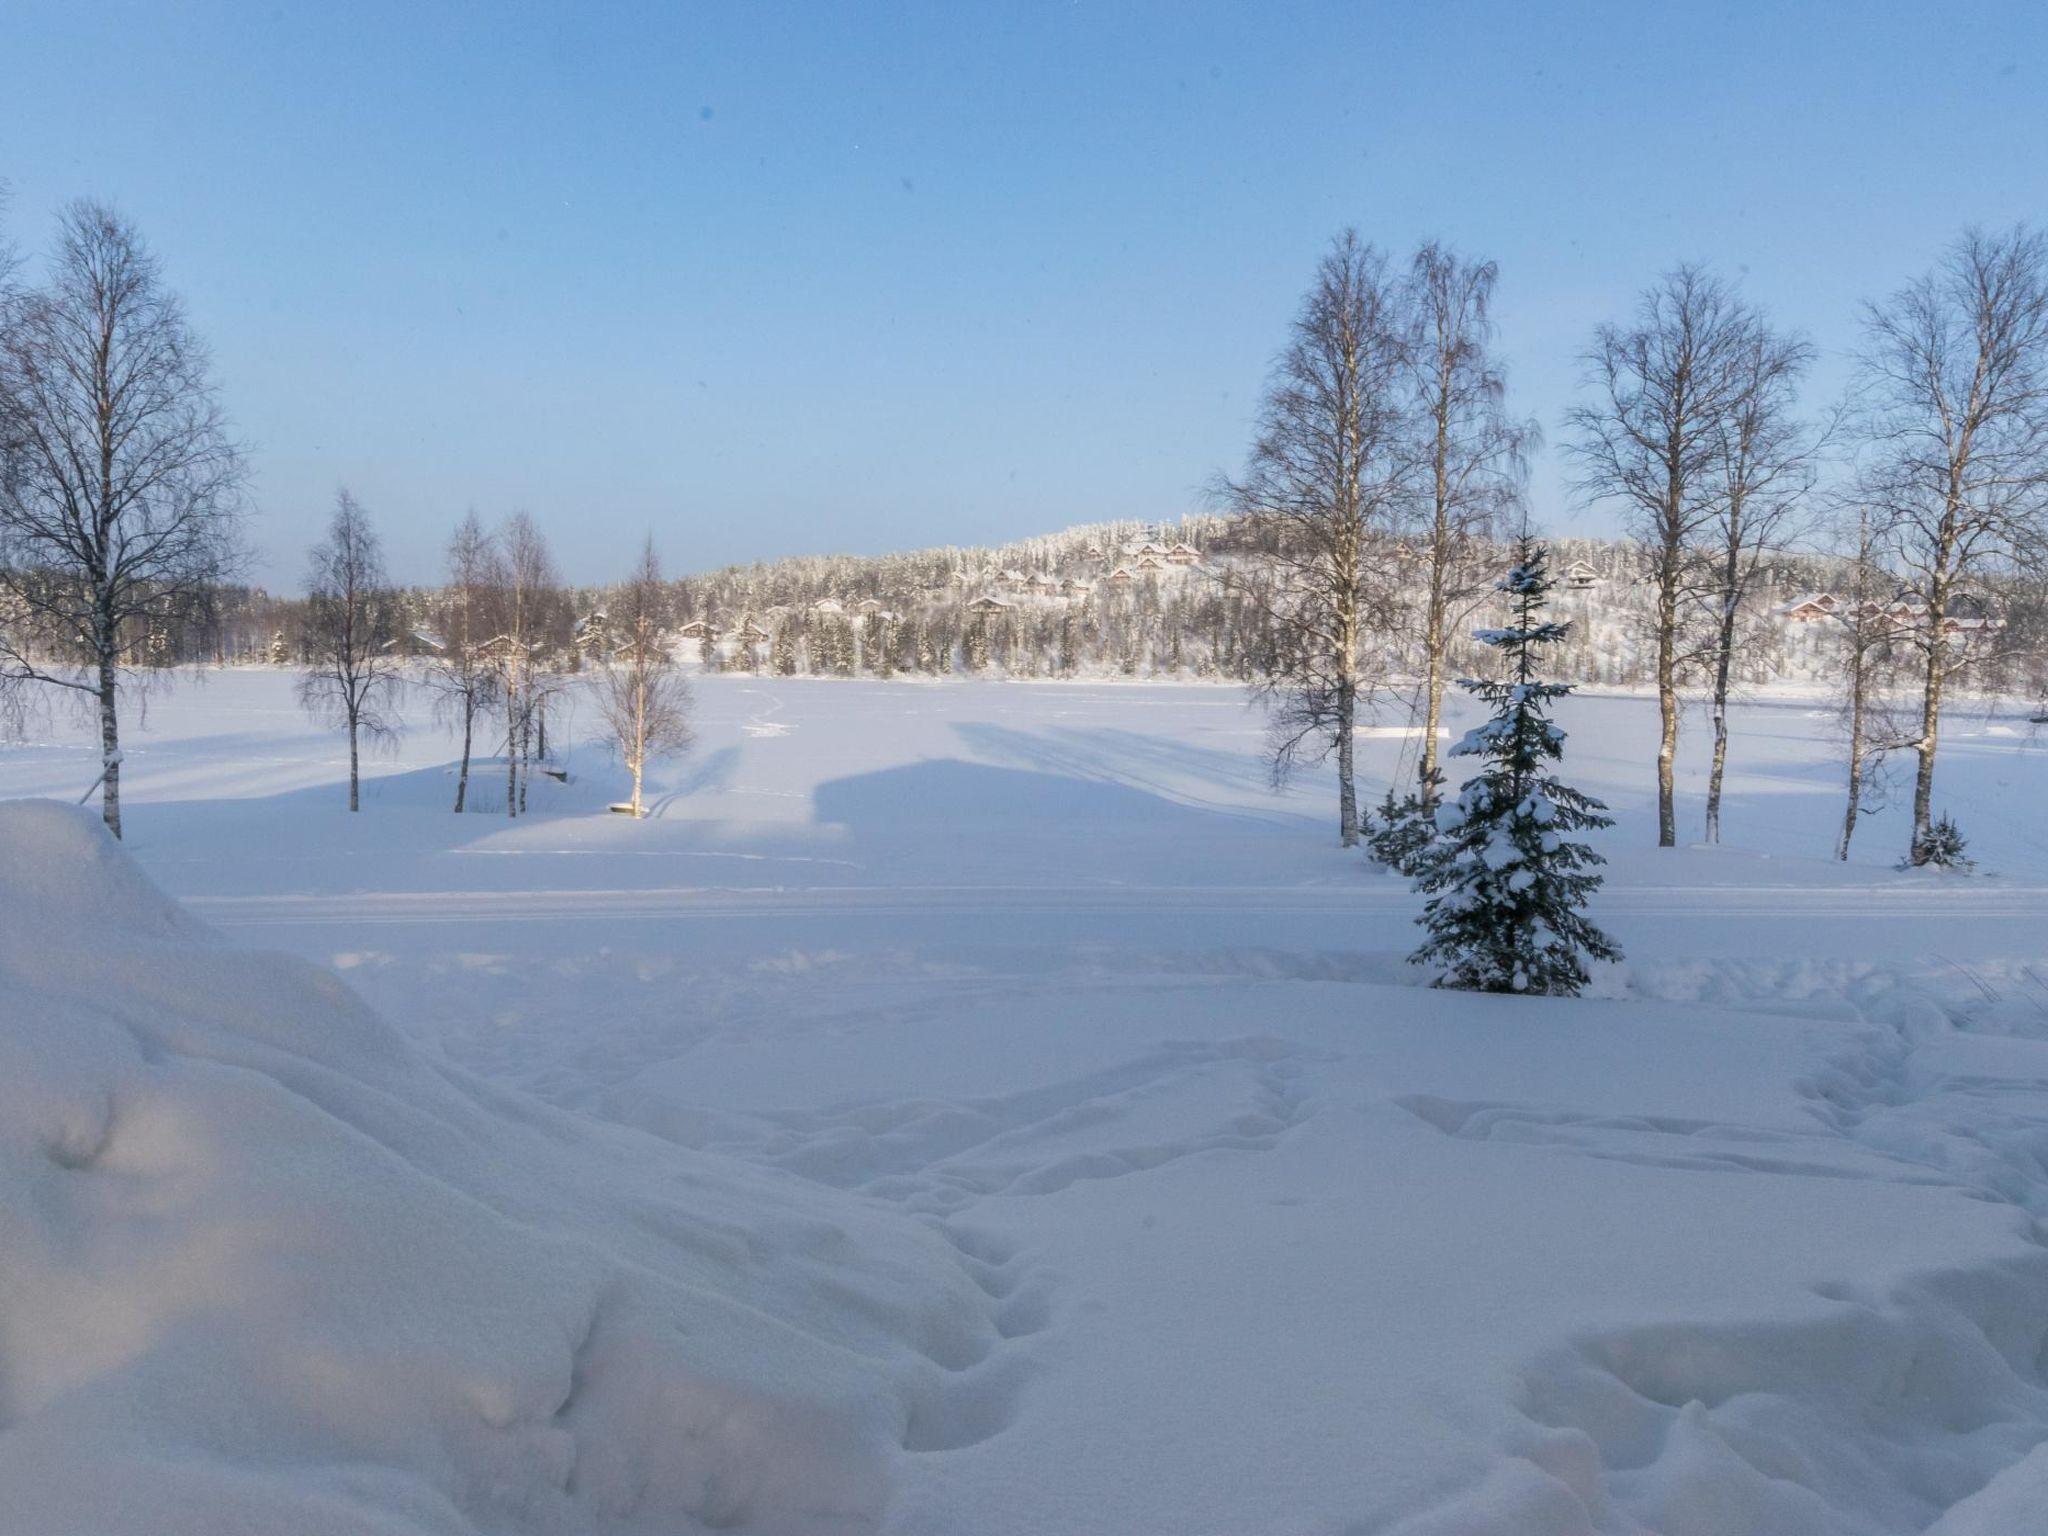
x=1130 y=758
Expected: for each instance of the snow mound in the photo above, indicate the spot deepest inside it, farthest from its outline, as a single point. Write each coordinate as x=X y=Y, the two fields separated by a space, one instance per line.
x=264 y=1265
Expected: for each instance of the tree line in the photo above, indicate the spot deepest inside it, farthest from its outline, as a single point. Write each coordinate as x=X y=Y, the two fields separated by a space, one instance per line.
x=494 y=663
x=1383 y=428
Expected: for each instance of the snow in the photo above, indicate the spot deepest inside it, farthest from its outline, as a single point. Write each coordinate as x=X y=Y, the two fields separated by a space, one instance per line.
x=988 y=1108
x=265 y=1265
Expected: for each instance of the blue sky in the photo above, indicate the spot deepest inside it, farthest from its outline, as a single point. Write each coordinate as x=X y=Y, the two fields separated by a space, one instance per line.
x=769 y=278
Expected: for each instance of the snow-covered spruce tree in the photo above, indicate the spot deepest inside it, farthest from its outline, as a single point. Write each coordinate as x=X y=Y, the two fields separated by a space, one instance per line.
x=1506 y=887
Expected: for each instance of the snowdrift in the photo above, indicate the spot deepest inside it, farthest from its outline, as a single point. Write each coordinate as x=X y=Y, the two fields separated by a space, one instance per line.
x=264 y=1265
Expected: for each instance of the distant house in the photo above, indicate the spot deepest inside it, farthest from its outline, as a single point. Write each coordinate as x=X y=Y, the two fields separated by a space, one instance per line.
x=1148 y=563
x=1581 y=577
x=1042 y=584
x=1184 y=554
x=1150 y=549
x=1012 y=578
x=750 y=633
x=416 y=642
x=503 y=648
x=697 y=629
x=1121 y=576
x=1809 y=609
x=987 y=604
x=1072 y=588
x=1093 y=552
x=1968 y=614
x=828 y=605
x=867 y=606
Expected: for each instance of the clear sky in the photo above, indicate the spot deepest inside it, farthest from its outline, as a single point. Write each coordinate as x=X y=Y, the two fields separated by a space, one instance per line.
x=769 y=278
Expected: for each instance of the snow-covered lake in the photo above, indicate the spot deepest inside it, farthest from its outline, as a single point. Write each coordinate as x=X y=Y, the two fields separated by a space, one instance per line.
x=992 y=1108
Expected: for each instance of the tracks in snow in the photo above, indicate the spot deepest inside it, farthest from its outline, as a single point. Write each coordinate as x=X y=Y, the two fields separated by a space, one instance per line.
x=1887 y=1411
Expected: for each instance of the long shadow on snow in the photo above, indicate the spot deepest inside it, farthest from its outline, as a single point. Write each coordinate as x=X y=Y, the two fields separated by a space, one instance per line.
x=975 y=823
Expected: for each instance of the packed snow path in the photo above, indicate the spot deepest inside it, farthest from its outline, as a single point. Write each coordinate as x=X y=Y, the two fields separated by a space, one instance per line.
x=1264 y=1237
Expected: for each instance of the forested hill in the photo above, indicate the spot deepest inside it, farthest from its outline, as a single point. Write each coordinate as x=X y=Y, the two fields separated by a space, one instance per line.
x=1158 y=600
x=1125 y=599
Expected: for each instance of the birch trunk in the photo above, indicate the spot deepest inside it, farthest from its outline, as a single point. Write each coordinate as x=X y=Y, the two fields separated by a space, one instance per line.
x=1347 y=788
x=354 y=802
x=462 y=777
x=1667 y=712
x=110 y=745
x=639 y=737
x=525 y=758
x=1930 y=710
x=511 y=753
x=1857 y=664
x=1724 y=659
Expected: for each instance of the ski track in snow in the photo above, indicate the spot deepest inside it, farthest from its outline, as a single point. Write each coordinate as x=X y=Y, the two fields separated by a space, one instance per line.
x=763 y=723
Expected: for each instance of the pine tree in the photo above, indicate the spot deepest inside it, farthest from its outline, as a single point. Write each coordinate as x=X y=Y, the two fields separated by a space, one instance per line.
x=1506 y=889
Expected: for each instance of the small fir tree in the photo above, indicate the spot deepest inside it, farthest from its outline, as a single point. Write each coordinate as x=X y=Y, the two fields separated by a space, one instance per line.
x=1506 y=887
x=1400 y=832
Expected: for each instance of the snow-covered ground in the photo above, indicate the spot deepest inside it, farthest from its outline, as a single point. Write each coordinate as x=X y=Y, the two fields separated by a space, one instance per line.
x=989 y=1108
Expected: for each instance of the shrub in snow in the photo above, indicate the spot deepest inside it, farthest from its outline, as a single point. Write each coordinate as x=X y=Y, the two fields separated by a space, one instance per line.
x=1399 y=833
x=1941 y=845
x=1505 y=884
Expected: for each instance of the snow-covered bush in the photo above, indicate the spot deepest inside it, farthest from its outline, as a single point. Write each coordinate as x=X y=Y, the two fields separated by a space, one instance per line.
x=1506 y=886
x=1941 y=845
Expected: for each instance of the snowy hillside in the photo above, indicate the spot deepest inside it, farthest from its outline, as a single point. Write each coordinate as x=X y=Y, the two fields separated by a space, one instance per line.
x=982 y=1109
x=1139 y=600
x=1126 y=599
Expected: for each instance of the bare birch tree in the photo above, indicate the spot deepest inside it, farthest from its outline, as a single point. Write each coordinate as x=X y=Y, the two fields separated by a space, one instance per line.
x=1764 y=468
x=1472 y=456
x=1321 y=497
x=352 y=679
x=1867 y=667
x=121 y=491
x=1649 y=440
x=462 y=677
x=641 y=696
x=1954 y=428
x=527 y=589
